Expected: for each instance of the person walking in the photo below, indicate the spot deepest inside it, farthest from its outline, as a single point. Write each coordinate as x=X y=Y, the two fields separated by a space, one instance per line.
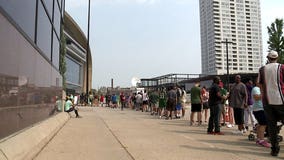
x=139 y=100
x=162 y=102
x=171 y=102
x=271 y=80
x=205 y=97
x=196 y=101
x=248 y=111
x=122 y=100
x=102 y=98
x=214 y=102
x=145 y=101
x=223 y=92
x=114 y=101
x=238 y=100
x=179 y=107
x=259 y=114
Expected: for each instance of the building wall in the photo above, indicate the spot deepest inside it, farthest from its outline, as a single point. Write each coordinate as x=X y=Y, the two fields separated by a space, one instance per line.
x=29 y=75
x=76 y=58
x=238 y=21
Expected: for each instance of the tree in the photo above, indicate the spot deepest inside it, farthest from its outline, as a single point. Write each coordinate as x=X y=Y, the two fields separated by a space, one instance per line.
x=276 y=39
x=62 y=62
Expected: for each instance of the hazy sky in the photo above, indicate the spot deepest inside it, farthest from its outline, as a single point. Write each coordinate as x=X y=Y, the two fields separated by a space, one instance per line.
x=148 y=38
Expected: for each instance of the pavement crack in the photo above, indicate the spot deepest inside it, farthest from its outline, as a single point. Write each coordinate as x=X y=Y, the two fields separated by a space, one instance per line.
x=123 y=146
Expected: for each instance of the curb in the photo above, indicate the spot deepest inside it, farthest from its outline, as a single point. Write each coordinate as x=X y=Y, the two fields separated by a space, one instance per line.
x=27 y=144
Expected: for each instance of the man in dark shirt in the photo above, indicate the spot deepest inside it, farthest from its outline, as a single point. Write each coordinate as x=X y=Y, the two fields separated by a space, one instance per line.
x=214 y=102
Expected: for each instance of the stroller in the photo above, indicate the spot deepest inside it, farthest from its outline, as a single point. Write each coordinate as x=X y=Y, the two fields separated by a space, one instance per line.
x=252 y=134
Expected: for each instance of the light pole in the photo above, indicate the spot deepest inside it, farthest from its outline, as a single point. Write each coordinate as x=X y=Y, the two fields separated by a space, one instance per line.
x=227 y=54
x=88 y=46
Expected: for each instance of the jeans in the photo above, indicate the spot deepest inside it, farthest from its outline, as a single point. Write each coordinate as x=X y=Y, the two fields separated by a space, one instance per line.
x=72 y=109
x=248 y=114
x=122 y=105
x=274 y=114
x=214 y=118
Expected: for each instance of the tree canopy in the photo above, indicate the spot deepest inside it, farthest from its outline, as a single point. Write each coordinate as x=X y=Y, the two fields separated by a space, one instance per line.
x=276 y=39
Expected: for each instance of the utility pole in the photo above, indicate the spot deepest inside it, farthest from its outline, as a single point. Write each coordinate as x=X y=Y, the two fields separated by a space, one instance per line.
x=88 y=46
x=227 y=54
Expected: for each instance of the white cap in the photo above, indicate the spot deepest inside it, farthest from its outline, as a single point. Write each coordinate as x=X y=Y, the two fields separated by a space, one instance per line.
x=272 y=54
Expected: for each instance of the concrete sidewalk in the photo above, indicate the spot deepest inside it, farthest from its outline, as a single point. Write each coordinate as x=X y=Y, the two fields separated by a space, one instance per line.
x=86 y=138
x=112 y=134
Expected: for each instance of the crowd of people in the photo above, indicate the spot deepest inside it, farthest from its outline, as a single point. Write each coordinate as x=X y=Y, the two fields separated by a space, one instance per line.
x=258 y=101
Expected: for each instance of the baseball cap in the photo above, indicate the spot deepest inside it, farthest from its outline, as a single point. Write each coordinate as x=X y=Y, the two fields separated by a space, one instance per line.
x=272 y=54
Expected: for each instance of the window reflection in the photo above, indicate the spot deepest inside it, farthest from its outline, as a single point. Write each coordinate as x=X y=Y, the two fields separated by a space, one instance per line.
x=49 y=6
x=55 y=52
x=44 y=32
x=56 y=20
x=73 y=71
x=23 y=13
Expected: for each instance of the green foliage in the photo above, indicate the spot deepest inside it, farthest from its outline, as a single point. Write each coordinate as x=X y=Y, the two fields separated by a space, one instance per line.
x=276 y=39
x=62 y=62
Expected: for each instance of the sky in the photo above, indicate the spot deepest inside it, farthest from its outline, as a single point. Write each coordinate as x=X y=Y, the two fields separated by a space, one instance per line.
x=148 y=38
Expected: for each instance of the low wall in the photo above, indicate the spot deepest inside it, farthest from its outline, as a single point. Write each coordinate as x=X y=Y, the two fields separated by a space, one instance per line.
x=27 y=143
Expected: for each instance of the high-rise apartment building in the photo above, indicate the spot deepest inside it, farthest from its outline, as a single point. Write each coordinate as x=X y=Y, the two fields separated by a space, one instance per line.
x=237 y=21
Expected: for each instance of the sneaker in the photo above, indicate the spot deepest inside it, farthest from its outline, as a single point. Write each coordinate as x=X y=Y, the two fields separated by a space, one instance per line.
x=263 y=143
x=212 y=133
x=229 y=126
x=219 y=133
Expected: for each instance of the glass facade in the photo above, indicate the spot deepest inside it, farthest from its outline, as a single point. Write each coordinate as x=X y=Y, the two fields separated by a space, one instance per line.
x=38 y=19
x=23 y=13
x=73 y=73
x=29 y=65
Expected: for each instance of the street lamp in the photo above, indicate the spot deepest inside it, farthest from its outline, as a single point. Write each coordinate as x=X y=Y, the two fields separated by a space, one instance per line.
x=88 y=44
x=227 y=54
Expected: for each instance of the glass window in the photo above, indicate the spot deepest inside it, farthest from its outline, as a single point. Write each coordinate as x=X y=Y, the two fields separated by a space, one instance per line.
x=23 y=13
x=56 y=19
x=59 y=2
x=62 y=7
x=44 y=32
x=73 y=69
x=55 y=51
x=49 y=6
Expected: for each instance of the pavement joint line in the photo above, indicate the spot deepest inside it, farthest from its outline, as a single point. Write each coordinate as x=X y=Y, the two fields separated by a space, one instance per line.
x=205 y=143
x=124 y=147
x=51 y=138
x=4 y=154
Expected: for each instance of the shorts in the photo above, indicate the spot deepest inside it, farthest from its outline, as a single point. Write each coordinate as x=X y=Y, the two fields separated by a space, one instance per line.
x=239 y=116
x=171 y=105
x=205 y=105
x=162 y=103
x=145 y=102
x=178 y=106
x=195 y=107
x=260 y=117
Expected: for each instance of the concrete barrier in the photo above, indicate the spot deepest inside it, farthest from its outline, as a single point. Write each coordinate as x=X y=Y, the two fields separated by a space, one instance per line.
x=26 y=144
